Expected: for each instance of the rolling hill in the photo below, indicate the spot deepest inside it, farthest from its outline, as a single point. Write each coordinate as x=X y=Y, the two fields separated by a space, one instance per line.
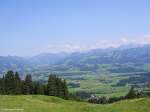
x=27 y=64
x=53 y=104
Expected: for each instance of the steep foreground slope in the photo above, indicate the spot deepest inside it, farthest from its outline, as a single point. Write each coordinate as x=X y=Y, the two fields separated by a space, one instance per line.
x=53 y=104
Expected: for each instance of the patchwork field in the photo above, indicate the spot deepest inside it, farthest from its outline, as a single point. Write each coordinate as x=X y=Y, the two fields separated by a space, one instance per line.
x=103 y=80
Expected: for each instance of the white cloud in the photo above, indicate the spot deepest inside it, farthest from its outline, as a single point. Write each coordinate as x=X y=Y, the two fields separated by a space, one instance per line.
x=136 y=40
x=66 y=47
x=73 y=46
x=124 y=40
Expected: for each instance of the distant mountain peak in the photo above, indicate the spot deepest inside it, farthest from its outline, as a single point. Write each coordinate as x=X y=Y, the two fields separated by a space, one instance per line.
x=131 y=45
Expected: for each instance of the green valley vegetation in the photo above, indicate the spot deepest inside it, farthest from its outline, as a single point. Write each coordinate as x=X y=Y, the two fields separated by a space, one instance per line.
x=132 y=94
x=12 y=84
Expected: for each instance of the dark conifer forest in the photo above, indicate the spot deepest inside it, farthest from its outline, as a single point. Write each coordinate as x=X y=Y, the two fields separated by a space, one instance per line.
x=12 y=84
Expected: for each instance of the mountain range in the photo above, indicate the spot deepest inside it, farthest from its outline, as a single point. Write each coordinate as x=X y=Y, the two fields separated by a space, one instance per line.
x=136 y=54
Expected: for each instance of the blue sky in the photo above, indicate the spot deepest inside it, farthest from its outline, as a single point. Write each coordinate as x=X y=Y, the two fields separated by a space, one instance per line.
x=30 y=27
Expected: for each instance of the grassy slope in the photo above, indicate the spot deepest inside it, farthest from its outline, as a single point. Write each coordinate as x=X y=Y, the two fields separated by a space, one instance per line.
x=52 y=104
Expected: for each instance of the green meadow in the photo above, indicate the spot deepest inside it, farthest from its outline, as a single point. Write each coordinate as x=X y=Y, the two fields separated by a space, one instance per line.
x=22 y=103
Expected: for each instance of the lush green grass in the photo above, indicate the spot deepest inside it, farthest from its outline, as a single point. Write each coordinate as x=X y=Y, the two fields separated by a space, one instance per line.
x=53 y=104
x=101 y=85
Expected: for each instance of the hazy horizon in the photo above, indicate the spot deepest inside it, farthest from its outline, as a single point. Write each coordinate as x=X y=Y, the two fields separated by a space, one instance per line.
x=32 y=27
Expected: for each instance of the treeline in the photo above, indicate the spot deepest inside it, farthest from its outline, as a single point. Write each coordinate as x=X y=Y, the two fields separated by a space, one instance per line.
x=130 y=95
x=12 y=84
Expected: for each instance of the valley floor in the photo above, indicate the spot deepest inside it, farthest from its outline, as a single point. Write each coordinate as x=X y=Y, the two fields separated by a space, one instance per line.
x=39 y=103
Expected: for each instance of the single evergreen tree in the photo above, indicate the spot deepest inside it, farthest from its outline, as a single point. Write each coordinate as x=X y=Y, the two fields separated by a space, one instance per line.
x=9 y=84
x=23 y=87
x=51 y=86
x=17 y=83
x=45 y=89
x=131 y=93
x=2 y=86
x=38 y=88
x=59 y=92
x=28 y=89
x=65 y=90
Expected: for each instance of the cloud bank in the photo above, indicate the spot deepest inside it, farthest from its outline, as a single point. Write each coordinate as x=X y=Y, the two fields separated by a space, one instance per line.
x=73 y=47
